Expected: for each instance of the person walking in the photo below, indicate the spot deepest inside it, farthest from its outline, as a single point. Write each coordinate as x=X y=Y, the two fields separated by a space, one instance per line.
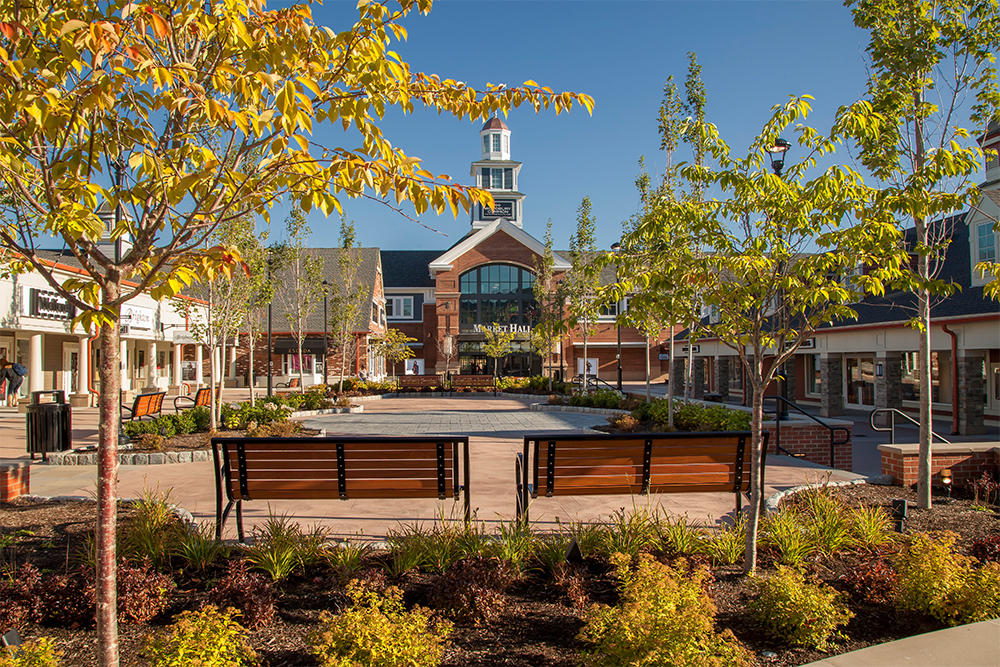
x=19 y=371
x=9 y=377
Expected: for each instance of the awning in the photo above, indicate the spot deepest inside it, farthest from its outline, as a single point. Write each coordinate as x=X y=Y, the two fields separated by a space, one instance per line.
x=291 y=345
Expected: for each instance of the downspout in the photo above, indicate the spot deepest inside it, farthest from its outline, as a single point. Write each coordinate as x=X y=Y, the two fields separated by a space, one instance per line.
x=954 y=378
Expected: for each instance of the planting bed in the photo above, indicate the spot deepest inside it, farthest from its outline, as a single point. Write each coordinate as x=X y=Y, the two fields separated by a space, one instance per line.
x=539 y=616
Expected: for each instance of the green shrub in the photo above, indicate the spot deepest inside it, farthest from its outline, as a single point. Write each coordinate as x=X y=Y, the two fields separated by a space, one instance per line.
x=207 y=637
x=665 y=618
x=624 y=422
x=185 y=422
x=378 y=631
x=152 y=531
x=787 y=531
x=33 y=653
x=936 y=581
x=679 y=537
x=870 y=526
x=197 y=547
x=693 y=416
x=236 y=416
x=797 y=611
x=630 y=533
x=728 y=544
x=151 y=441
x=202 y=417
x=827 y=521
x=280 y=547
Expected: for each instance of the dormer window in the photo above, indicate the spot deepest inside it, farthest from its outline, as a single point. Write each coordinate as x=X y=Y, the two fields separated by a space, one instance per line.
x=986 y=242
x=486 y=143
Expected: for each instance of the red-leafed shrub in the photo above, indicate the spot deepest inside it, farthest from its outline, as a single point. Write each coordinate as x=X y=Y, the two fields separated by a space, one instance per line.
x=873 y=582
x=19 y=602
x=143 y=593
x=250 y=592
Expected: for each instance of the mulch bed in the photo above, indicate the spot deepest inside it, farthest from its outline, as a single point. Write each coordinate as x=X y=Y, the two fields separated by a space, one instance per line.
x=541 y=622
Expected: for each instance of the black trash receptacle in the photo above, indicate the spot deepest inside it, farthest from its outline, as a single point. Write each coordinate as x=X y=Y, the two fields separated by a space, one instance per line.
x=48 y=424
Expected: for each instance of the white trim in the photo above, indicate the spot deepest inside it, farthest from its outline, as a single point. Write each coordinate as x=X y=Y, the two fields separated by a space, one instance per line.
x=444 y=262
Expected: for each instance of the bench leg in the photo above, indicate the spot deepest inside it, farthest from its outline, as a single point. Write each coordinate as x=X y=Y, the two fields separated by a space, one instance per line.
x=220 y=518
x=239 y=520
x=739 y=503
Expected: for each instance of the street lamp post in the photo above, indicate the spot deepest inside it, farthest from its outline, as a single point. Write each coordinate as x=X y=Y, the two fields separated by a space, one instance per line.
x=326 y=326
x=777 y=152
x=616 y=248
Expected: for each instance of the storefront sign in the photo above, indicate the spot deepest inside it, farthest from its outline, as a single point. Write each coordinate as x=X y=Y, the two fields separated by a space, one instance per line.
x=505 y=328
x=43 y=303
x=137 y=318
x=695 y=349
x=501 y=209
x=184 y=337
x=662 y=356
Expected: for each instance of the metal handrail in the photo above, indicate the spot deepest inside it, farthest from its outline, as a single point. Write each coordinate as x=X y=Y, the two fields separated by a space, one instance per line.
x=832 y=429
x=593 y=380
x=891 y=428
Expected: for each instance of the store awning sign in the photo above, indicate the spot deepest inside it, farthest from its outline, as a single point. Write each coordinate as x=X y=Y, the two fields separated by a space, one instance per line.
x=137 y=317
x=50 y=305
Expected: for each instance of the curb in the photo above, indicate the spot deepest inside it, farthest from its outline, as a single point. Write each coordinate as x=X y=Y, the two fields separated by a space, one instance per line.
x=773 y=501
x=354 y=409
x=545 y=407
x=128 y=459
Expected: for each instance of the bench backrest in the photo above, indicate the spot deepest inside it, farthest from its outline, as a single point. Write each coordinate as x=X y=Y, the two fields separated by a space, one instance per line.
x=472 y=381
x=293 y=382
x=342 y=467
x=146 y=405
x=638 y=463
x=419 y=381
x=202 y=397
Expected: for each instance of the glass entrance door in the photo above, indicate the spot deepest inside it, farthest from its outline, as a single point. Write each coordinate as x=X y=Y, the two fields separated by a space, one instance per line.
x=859 y=380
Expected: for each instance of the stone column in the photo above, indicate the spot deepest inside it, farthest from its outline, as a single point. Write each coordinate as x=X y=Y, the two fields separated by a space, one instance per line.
x=151 y=372
x=722 y=365
x=788 y=372
x=36 y=379
x=970 y=393
x=889 y=385
x=178 y=359
x=698 y=378
x=677 y=377
x=832 y=391
x=199 y=366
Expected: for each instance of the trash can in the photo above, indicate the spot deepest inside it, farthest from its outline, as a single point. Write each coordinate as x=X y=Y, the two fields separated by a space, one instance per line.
x=48 y=424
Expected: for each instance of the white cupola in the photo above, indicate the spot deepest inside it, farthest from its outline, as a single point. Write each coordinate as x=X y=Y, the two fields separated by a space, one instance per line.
x=496 y=172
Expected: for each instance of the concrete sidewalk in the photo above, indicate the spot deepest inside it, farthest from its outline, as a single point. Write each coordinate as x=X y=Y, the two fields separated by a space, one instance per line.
x=495 y=426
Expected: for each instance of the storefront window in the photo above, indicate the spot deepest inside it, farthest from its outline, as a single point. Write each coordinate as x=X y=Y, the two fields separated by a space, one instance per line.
x=911 y=377
x=520 y=362
x=500 y=293
x=292 y=363
x=814 y=380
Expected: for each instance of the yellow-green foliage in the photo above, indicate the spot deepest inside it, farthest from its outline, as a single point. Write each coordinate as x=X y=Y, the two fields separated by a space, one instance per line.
x=377 y=631
x=802 y=613
x=665 y=618
x=937 y=581
x=206 y=638
x=34 y=653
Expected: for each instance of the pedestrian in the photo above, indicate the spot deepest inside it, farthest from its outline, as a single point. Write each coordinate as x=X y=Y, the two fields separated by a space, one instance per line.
x=19 y=373
x=12 y=380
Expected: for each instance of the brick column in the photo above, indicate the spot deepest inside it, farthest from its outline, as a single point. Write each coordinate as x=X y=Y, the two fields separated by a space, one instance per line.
x=888 y=386
x=788 y=372
x=832 y=391
x=970 y=393
x=698 y=377
x=677 y=377
x=722 y=376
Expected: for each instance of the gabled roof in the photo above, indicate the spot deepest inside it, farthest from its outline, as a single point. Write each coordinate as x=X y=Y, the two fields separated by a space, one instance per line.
x=408 y=268
x=444 y=262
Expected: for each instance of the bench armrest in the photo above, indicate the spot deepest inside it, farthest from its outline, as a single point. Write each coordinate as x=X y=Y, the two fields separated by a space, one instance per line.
x=186 y=398
x=127 y=408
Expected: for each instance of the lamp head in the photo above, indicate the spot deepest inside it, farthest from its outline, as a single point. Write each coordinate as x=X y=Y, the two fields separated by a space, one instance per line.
x=777 y=152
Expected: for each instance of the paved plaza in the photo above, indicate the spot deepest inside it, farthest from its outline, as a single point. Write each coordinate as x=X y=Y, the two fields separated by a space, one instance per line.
x=495 y=425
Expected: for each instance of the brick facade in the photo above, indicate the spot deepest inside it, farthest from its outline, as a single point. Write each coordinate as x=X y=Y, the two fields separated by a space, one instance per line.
x=967 y=461
x=813 y=442
x=14 y=480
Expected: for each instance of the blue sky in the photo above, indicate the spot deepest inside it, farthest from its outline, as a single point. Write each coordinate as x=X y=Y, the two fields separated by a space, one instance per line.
x=754 y=54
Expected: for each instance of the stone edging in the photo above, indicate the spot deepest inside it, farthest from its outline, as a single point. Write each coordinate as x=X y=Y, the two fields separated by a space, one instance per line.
x=181 y=513
x=354 y=409
x=89 y=458
x=545 y=407
x=774 y=500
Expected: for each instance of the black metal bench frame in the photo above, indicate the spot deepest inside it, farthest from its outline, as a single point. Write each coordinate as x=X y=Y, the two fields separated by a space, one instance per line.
x=526 y=472
x=223 y=473
x=135 y=406
x=204 y=391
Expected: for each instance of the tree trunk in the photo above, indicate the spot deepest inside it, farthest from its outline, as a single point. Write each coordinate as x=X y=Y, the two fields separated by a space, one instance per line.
x=343 y=360
x=302 y=374
x=648 y=389
x=107 y=479
x=753 y=518
x=222 y=373
x=252 y=370
x=924 y=317
x=689 y=370
x=586 y=388
x=670 y=383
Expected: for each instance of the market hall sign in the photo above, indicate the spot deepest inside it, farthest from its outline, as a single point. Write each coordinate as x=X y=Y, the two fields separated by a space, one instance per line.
x=501 y=209
x=50 y=305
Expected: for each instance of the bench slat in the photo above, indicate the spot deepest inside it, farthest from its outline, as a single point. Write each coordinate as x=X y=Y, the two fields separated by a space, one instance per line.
x=351 y=473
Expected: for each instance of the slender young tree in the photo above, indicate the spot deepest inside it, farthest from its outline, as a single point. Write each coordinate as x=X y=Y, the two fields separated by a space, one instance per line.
x=695 y=102
x=583 y=280
x=186 y=114
x=302 y=289
x=931 y=61
x=549 y=321
x=393 y=346
x=497 y=344
x=348 y=298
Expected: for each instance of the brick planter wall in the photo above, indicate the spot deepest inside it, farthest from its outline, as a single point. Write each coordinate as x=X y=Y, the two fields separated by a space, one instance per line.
x=813 y=441
x=14 y=478
x=967 y=461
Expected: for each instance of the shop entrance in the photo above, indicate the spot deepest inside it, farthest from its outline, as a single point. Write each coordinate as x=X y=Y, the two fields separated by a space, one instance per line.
x=859 y=381
x=521 y=361
x=71 y=368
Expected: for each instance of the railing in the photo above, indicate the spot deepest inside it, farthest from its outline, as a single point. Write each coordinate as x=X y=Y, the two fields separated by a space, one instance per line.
x=780 y=401
x=595 y=382
x=891 y=428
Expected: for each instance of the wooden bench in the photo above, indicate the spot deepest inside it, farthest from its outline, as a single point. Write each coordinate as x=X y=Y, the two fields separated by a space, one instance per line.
x=293 y=383
x=472 y=382
x=633 y=463
x=144 y=405
x=419 y=381
x=202 y=398
x=345 y=467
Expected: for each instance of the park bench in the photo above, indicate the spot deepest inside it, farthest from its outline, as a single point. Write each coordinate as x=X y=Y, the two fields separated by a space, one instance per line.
x=472 y=382
x=633 y=463
x=342 y=467
x=144 y=405
x=202 y=398
x=293 y=383
x=419 y=381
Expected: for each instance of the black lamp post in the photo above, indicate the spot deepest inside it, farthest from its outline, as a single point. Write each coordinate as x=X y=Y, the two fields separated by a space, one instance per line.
x=777 y=152
x=615 y=248
x=326 y=326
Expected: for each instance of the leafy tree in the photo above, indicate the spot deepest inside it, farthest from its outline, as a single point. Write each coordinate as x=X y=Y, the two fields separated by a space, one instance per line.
x=302 y=291
x=550 y=323
x=204 y=111
x=393 y=346
x=447 y=349
x=497 y=344
x=582 y=283
x=778 y=253
x=928 y=58
x=348 y=298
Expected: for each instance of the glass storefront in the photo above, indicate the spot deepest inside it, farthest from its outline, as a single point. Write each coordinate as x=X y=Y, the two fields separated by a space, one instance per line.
x=496 y=294
x=521 y=362
x=860 y=373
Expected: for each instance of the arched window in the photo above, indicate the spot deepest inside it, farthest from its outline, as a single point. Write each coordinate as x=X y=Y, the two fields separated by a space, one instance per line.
x=500 y=293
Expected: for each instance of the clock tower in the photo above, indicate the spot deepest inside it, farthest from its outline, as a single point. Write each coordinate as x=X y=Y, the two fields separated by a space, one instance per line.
x=496 y=172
